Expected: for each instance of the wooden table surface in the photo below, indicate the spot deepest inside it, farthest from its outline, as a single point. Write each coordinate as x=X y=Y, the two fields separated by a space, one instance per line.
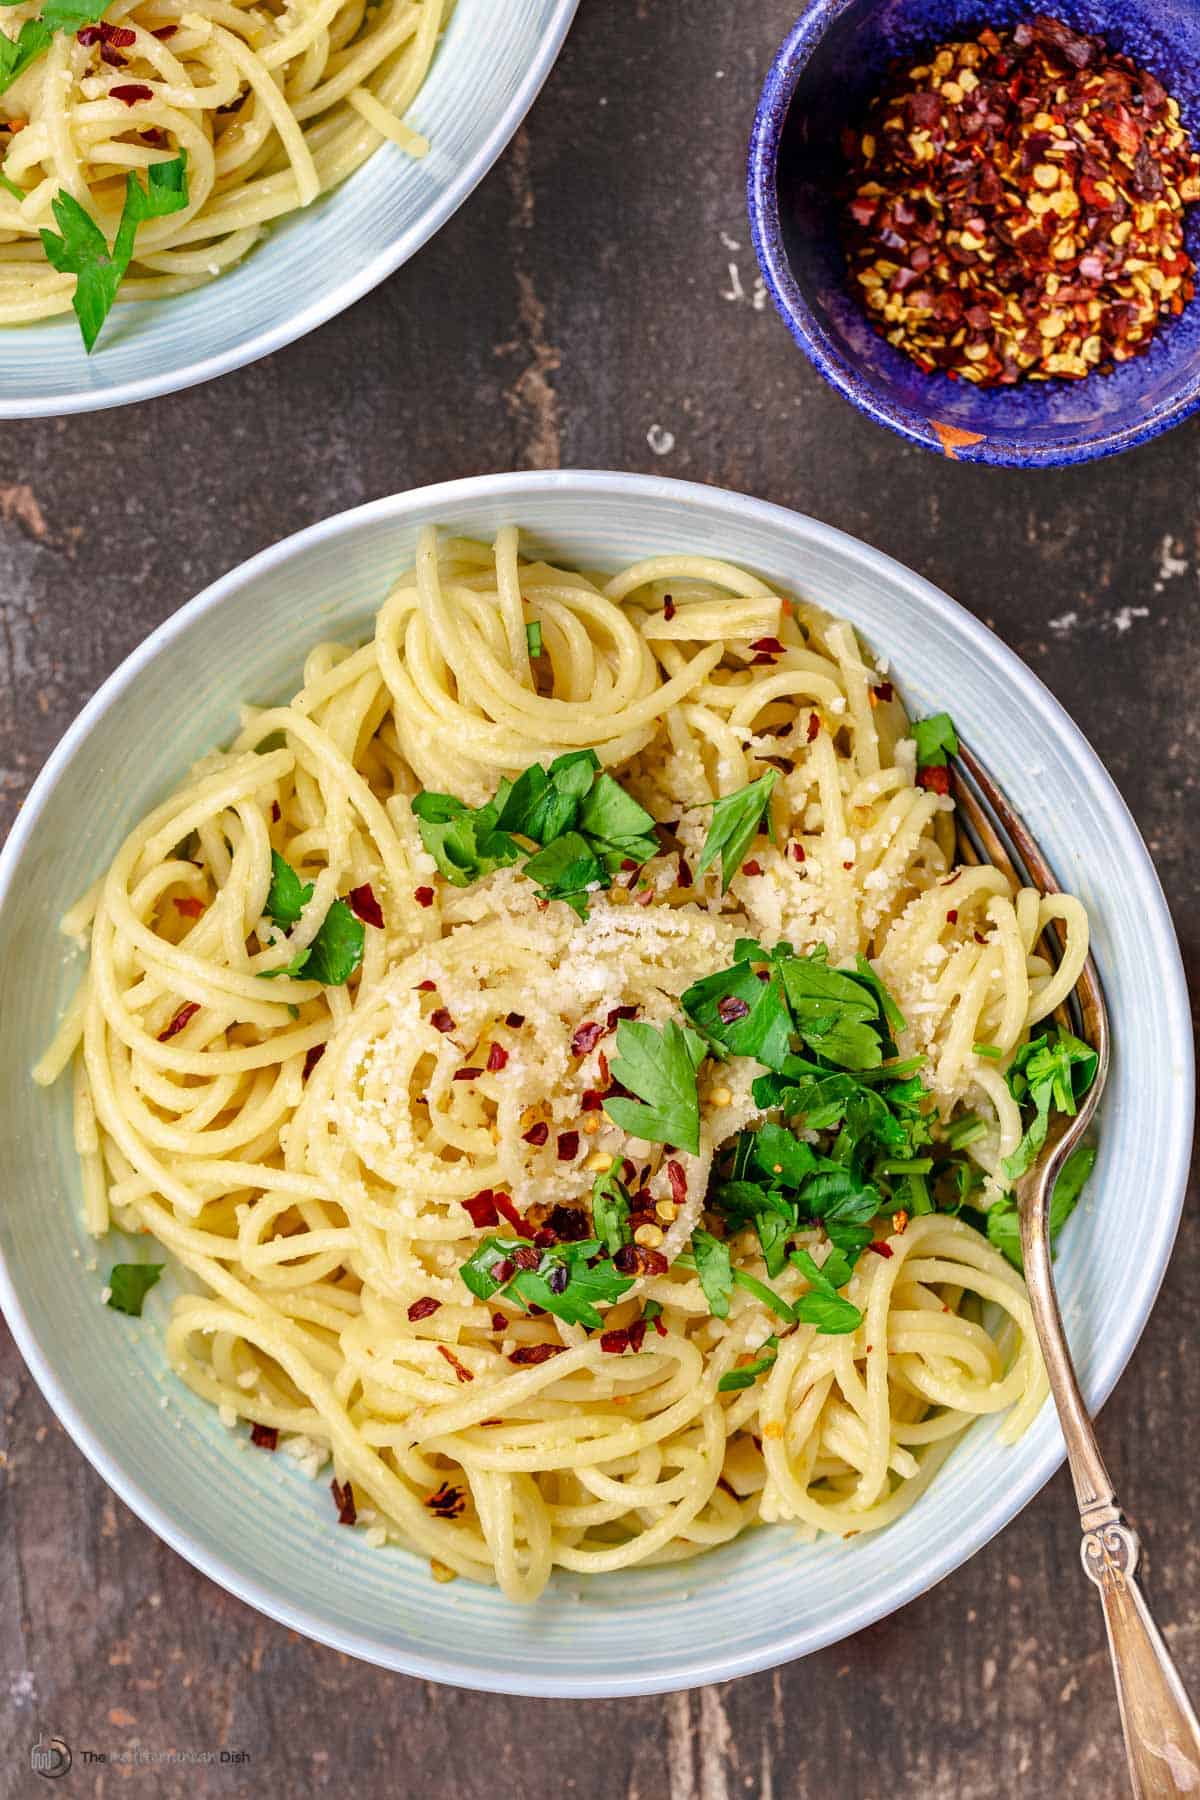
x=596 y=304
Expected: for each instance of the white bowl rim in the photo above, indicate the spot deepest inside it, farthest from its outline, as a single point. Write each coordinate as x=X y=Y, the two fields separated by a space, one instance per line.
x=359 y=282
x=695 y=1667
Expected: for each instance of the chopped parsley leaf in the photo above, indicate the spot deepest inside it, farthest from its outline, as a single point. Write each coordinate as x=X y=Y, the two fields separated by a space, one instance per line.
x=588 y=1282
x=748 y=1374
x=713 y=1268
x=82 y=249
x=129 y=1283
x=659 y=1068
x=735 y=822
x=936 y=739
x=1049 y=1072
x=1003 y=1219
x=287 y=896
x=824 y=1307
x=610 y=1212
x=533 y=637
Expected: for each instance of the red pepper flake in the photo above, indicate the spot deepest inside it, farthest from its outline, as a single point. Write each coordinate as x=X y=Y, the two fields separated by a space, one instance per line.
x=466 y=1074
x=120 y=37
x=482 y=1208
x=265 y=1436
x=461 y=1372
x=423 y=897
x=814 y=726
x=276 y=814
x=593 y=1100
x=979 y=938
x=884 y=691
x=154 y=137
x=537 y=1134
x=365 y=906
x=770 y=645
x=312 y=1057
x=568 y=1145
x=441 y=1020
x=730 y=1008
x=499 y=1322
x=524 y=1257
x=678 y=1181
x=130 y=92
x=798 y=853
x=343 y=1499
x=952 y=916
x=628 y=864
x=616 y=1015
x=683 y=875
x=497 y=1056
x=637 y=1259
x=516 y=1020
x=423 y=1308
x=166 y=31
x=752 y=867
x=504 y=1206
x=615 y=1343
x=936 y=778
x=637 y=1335
x=447 y=1502
x=186 y=1012
x=668 y=607
x=602 y=1062
x=880 y=1248
x=502 y=1271
x=536 y=1353
x=189 y=906
x=659 y=1325
x=762 y=659
x=586 y=1037
x=426 y=987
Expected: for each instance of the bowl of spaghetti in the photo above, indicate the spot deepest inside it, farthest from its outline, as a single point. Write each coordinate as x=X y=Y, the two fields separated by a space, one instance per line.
x=231 y=178
x=510 y=1174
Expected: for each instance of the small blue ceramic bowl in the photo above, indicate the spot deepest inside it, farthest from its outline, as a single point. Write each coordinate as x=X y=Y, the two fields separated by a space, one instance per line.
x=830 y=65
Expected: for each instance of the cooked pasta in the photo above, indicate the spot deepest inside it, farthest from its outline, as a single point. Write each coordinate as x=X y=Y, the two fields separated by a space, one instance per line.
x=273 y=104
x=323 y=1158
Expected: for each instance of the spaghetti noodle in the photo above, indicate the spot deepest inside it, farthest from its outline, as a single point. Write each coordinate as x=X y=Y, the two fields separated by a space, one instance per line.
x=321 y=1159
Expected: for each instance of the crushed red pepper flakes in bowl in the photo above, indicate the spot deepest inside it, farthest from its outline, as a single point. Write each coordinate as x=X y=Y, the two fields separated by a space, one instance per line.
x=1015 y=207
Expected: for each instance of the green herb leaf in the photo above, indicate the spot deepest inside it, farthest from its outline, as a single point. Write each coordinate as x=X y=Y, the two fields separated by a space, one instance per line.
x=735 y=822
x=824 y=1307
x=610 y=1213
x=129 y=1283
x=612 y=815
x=779 y=1153
x=337 y=949
x=713 y=1268
x=835 y=1015
x=82 y=250
x=748 y=1374
x=659 y=1067
x=533 y=637
x=762 y=1030
x=10 y=187
x=17 y=53
x=567 y=869
x=574 y=1301
x=465 y=843
x=765 y=1295
x=287 y=896
x=1051 y=1073
x=1003 y=1219
x=935 y=739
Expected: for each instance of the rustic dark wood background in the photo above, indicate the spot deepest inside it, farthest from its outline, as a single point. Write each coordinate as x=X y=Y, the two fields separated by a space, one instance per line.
x=596 y=303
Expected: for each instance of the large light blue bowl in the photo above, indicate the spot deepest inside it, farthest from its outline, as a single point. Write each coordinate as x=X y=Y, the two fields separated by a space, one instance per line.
x=492 y=59
x=250 y=1520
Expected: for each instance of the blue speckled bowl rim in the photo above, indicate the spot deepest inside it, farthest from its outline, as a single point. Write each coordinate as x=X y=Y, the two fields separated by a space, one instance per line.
x=695 y=1667
x=819 y=344
x=360 y=281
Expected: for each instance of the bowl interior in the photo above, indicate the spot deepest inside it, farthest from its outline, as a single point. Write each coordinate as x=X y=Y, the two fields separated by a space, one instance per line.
x=251 y=1520
x=493 y=57
x=831 y=68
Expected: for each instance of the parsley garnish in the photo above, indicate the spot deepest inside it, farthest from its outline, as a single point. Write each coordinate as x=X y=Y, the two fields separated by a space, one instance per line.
x=610 y=1213
x=10 y=187
x=936 y=739
x=1003 y=1220
x=36 y=35
x=580 y=821
x=83 y=251
x=659 y=1068
x=1048 y=1072
x=287 y=896
x=824 y=1307
x=749 y=1372
x=713 y=1267
x=533 y=637
x=129 y=1283
x=570 y=1279
x=333 y=955
x=735 y=822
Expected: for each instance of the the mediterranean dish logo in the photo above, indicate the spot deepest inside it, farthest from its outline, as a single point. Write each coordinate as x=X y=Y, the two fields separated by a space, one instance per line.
x=50 y=1756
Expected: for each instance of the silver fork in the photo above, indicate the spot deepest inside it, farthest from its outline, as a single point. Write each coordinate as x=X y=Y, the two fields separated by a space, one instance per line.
x=1162 y=1737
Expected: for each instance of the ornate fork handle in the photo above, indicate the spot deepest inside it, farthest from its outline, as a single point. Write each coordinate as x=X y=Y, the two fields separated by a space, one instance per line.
x=1162 y=1736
